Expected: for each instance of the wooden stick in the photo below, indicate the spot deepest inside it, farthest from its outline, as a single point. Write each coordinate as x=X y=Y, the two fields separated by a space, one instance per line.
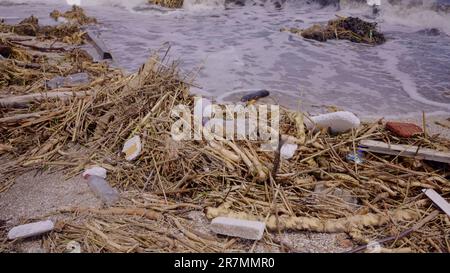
x=149 y=214
x=38 y=48
x=405 y=150
x=19 y=101
x=18 y=117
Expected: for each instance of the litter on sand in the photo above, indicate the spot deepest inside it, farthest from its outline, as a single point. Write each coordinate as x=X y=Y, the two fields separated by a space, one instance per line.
x=252 y=230
x=338 y=122
x=30 y=230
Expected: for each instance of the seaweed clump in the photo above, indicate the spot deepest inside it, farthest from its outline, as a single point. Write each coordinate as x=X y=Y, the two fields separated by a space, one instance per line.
x=173 y=4
x=30 y=27
x=76 y=14
x=344 y=28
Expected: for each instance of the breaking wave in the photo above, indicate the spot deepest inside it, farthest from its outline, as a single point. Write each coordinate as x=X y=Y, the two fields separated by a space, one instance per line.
x=415 y=13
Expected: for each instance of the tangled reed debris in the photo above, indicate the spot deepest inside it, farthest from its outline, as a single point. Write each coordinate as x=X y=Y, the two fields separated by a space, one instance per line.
x=344 y=28
x=173 y=4
x=76 y=15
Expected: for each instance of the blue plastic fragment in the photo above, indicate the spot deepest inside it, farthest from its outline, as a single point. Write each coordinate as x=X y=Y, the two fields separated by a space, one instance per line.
x=358 y=158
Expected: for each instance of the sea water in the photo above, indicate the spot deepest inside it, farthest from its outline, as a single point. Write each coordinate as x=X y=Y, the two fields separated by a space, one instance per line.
x=234 y=47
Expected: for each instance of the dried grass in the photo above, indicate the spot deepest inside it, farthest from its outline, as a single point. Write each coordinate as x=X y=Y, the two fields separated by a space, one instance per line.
x=75 y=15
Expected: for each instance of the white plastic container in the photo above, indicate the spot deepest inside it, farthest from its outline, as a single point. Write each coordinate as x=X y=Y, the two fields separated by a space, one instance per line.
x=338 y=122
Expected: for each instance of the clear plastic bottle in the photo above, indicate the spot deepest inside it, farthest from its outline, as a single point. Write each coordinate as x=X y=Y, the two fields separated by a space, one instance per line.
x=102 y=189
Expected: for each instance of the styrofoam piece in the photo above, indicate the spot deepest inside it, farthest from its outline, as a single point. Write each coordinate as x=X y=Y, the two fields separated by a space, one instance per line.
x=132 y=148
x=252 y=230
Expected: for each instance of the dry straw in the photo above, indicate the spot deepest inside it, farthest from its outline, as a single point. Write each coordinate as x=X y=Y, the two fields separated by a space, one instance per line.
x=224 y=177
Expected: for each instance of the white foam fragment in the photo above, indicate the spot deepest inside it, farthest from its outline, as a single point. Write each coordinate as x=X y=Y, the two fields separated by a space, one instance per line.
x=29 y=230
x=252 y=230
x=132 y=148
x=96 y=170
x=288 y=150
x=338 y=121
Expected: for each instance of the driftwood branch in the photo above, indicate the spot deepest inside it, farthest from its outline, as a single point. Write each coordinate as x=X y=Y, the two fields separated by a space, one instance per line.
x=146 y=213
x=12 y=119
x=20 y=101
x=38 y=48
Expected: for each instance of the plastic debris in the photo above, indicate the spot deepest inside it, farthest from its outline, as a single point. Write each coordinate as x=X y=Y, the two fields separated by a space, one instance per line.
x=288 y=150
x=102 y=189
x=358 y=158
x=98 y=44
x=252 y=230
x=95 y=177
x=71 y=80
x=30 y=230
x=338 y=122
x=132 y=148
x=438 y=200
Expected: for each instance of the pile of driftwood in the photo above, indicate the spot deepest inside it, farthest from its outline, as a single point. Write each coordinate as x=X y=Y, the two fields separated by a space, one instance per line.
x=88 y=125
x=344 y=28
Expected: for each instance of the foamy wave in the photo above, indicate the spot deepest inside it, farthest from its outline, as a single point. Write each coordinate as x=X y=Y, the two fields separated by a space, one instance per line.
x=420 y=17
x=203 y=4
x=416 y=14
x=129 y=4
